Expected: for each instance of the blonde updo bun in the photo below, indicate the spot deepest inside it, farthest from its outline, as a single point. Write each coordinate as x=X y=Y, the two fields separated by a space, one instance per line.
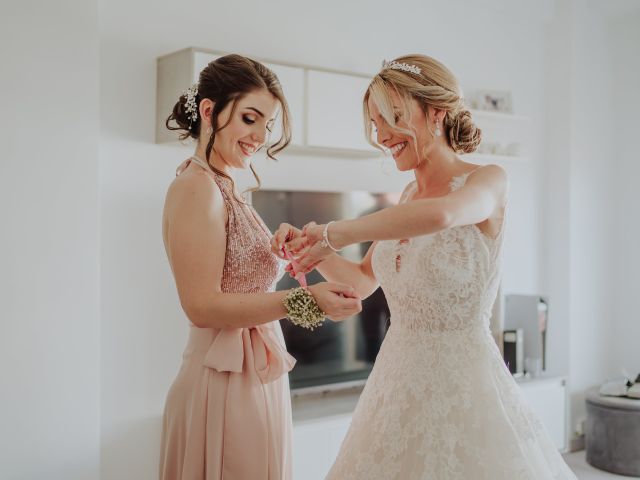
x=463 y=135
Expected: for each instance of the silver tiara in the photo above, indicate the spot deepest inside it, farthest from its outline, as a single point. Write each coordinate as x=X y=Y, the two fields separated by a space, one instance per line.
x=190 y=105
x=405 y=67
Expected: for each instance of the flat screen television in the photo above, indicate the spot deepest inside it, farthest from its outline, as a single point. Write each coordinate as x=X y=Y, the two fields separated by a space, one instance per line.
x=338 y=352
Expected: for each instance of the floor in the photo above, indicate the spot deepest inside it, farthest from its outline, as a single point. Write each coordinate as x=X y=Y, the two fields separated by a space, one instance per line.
x=584 y=471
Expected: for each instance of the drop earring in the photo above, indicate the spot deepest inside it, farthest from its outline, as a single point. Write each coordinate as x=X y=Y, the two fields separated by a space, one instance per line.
x=209 y=131
x=438 y=131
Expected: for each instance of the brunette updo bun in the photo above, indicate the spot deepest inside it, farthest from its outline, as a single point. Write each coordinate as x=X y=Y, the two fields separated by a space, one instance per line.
x=182 y=119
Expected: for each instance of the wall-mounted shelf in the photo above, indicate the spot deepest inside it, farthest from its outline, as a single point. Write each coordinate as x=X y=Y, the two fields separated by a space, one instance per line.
x=326 y=110
x=505 y=136
x=325 y=105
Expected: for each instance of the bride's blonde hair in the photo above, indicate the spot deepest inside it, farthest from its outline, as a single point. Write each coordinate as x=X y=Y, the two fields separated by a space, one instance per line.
x=436 y=86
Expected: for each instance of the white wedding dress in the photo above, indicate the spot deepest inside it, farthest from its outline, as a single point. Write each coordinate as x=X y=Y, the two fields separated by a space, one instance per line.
x=440 y=403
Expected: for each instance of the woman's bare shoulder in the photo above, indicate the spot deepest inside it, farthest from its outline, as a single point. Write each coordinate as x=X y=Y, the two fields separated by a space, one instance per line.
x=194 y=197
x=193 y=185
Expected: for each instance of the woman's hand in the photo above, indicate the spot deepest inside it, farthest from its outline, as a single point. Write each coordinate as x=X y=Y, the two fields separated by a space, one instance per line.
x=285 y=233
x=336 y=300
x=309 y=247
x=300 y=244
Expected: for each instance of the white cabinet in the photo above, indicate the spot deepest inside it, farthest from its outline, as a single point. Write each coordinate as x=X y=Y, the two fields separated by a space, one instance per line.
x=334 y=111
x=200 y=60
x=326 y=107
x=316 y=444
x=547 y=398
x=292 y=81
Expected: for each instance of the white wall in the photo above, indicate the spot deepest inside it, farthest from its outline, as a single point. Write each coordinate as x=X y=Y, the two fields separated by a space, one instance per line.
x=556 y=183
x=49 y=245
x=625 y=33
x=499 y=45
x=603 y=107
x=591 y=190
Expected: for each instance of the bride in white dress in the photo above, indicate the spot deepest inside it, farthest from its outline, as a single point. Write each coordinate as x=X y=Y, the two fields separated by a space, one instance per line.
x=440 y=403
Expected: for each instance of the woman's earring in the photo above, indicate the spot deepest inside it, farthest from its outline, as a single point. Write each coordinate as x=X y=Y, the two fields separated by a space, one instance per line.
x=209 y=131
x=438 y=131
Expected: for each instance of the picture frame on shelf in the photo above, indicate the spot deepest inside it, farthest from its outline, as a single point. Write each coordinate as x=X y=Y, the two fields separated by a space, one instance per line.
x=493 y=101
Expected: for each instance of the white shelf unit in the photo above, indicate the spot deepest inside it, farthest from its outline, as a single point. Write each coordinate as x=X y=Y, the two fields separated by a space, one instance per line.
x=325 y=104
x=547 y=397
x=316 y=444
x=505 y=137
x=326 y=110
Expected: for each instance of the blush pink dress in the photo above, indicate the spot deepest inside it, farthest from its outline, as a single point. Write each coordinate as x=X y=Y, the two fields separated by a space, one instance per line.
x=228 y=412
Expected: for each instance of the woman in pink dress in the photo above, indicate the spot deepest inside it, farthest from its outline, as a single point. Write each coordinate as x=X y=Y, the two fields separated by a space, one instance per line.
x=228 y=412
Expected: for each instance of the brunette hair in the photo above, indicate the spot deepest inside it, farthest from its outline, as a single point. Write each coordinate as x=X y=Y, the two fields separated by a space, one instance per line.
x=225 y=81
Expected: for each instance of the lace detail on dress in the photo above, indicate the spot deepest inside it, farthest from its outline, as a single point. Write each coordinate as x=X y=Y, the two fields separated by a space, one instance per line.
x=448 y=280
x=440 y=403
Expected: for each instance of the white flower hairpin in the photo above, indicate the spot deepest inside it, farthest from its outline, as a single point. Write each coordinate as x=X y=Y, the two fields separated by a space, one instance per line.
x=405 y=67
x=191 y=106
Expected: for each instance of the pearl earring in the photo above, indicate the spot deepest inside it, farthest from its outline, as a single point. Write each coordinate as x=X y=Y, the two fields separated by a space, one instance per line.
x=438 y=131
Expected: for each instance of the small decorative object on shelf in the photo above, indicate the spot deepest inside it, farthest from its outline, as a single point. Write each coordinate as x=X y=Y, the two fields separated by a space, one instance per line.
x=493 y=101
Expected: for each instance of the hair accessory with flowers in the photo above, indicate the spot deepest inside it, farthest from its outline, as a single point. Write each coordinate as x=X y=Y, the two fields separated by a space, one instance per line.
x=191 y=107
x=405 y=67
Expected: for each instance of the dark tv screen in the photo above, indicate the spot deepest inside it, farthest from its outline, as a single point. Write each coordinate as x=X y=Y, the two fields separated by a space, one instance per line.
x=336 y=352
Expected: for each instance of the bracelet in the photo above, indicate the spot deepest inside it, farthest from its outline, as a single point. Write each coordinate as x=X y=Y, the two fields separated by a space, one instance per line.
x=302 y=308
x=324 y=243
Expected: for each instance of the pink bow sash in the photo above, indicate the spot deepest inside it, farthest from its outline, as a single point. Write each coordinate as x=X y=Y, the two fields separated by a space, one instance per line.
x=271 y=360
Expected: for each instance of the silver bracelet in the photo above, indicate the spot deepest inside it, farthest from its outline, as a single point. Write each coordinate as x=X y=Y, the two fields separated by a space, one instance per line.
x=325 y=238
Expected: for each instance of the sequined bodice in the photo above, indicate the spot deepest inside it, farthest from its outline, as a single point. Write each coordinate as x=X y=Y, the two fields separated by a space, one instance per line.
x=249 y=264
x=446 y=281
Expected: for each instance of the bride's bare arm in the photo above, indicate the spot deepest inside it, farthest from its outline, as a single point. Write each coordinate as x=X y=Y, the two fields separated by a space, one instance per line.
x=359 y=275
x=479 y=199
x=474 y=203
x=333 y=268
